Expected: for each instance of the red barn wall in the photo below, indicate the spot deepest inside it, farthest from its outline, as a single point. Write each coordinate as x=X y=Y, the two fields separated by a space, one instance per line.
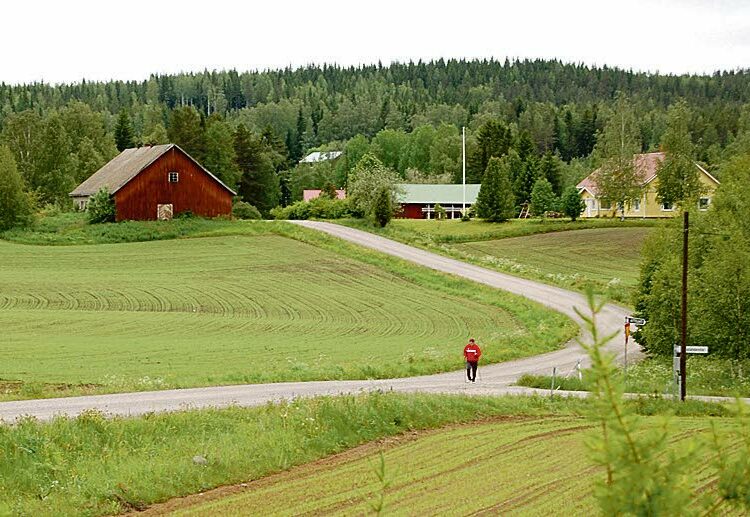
x=411 y=211
x=195 y=191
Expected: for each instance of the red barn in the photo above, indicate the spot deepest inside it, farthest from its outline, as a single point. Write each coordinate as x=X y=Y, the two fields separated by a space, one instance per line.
x=157 y=182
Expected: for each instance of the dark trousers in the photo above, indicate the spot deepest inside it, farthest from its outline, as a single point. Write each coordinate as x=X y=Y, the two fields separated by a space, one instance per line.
x=471 y=370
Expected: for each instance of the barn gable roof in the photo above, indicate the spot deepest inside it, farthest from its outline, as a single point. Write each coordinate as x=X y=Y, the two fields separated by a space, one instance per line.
x=116 y=173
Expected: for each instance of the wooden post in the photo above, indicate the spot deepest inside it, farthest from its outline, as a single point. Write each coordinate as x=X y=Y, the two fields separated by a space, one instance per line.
x=683 y=318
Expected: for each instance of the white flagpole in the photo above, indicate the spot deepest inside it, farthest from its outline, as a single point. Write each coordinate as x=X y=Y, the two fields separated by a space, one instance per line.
x=463 y=156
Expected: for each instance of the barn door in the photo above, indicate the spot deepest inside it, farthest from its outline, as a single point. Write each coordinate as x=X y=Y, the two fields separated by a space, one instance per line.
x=164 y=212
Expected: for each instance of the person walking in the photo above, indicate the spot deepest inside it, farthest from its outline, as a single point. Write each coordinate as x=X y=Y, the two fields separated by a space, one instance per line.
x=472 y=353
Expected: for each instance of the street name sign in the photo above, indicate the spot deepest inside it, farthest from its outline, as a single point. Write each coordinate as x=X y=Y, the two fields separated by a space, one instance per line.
x=693 y=349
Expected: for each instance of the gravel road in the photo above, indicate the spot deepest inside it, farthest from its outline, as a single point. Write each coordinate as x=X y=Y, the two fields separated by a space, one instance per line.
x=493 y=380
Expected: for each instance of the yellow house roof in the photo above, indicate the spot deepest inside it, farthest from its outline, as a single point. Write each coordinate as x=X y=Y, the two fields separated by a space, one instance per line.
x=647 y=168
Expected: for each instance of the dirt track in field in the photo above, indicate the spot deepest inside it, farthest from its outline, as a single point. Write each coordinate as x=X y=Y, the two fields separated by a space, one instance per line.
x=495 y=379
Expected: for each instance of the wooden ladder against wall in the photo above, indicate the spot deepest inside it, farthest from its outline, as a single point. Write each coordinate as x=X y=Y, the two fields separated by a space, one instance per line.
x=524 y=211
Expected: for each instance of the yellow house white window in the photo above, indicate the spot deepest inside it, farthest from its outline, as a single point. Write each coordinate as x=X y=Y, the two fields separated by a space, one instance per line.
x=637 y=205
x=605 y=205
x=703 y=203
x=667 y=207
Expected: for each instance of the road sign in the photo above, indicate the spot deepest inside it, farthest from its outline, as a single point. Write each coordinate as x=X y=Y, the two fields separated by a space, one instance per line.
x=693 y=349
x=635 y=321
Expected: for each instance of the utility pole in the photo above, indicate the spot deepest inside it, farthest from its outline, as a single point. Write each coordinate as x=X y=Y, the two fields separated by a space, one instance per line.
x=683 y=318
x=463 y=158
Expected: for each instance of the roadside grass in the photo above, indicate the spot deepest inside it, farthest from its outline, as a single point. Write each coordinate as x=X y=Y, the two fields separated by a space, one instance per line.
x=598 y=254
x=706 y=376
x=268 y=302
x=92 y=465
x=423 y=232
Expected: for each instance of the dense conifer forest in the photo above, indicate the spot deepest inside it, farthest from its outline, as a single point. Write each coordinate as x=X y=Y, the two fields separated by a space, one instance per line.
x=252 y=128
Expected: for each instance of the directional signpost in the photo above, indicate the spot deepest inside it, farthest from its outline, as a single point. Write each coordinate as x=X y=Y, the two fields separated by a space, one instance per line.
x=638 y=322
x=676 y=362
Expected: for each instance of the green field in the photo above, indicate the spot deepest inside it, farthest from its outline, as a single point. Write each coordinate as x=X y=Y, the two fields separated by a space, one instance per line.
x=516 y=466
x=424 y=232
x=92 y=465
x=605 y=257
x=257 y=307
x=602 y=254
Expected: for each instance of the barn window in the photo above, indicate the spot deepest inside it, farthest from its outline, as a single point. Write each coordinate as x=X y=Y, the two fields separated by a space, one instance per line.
x=174 y=177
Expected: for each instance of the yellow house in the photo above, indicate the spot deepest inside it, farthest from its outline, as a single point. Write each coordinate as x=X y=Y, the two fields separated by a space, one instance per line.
x=647 y=166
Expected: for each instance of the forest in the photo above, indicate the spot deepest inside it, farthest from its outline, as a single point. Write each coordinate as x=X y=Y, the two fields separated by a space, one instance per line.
x=252 y=128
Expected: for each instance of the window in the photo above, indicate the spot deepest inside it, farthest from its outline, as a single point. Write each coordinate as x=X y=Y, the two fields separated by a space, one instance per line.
x=174 y=177
x=605 y=205
x=666 y=207
x=637 y=205
x=703 y=203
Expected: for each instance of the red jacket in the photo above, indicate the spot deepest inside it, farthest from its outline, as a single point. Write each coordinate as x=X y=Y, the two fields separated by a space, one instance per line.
x=472 y=352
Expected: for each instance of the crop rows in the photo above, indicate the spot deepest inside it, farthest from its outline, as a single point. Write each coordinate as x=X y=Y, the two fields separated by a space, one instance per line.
x=227 y=310
x=521 y=467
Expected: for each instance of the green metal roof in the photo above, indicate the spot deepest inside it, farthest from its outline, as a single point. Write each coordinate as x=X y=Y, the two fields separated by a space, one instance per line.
x=443 y=194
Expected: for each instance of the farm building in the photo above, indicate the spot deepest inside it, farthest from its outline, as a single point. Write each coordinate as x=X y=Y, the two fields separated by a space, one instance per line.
x=320 y=156
x=157 y=182
x=647 y=166
x=418 y=200
x=310 y=194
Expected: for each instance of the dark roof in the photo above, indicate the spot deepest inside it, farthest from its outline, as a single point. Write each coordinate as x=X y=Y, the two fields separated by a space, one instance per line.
x=116 y=173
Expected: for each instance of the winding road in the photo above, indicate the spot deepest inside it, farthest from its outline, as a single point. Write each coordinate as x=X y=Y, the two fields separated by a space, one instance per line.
x=494 y=379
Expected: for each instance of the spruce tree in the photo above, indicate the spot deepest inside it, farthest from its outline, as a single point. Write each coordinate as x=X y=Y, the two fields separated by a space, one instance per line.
x=495 y=201
x=493 y=140
x=551 y=170
x=571 y=203
x=258 y=183
x=187 y=129
x=543 y=199
x=383 y=209
x=124 y=134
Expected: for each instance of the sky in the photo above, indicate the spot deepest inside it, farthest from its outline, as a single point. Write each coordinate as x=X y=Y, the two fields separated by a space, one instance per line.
x=98 y=40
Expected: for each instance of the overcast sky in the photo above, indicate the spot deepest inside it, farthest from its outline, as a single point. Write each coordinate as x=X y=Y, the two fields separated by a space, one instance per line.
x=130 y=39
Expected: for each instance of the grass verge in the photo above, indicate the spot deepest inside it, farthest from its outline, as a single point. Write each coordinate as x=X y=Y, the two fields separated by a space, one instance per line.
x=706 y=376
x=92 y=465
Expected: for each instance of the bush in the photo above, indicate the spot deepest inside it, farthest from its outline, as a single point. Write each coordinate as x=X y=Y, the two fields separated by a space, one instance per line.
x=571 y=203
x=243 y=210
x=318 y=208
x=101 y=207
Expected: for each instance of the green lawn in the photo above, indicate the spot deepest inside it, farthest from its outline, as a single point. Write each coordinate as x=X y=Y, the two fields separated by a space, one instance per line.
x=258 y=307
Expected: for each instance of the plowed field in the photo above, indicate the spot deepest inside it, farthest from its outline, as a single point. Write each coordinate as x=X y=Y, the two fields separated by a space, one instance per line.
x=521 y=467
